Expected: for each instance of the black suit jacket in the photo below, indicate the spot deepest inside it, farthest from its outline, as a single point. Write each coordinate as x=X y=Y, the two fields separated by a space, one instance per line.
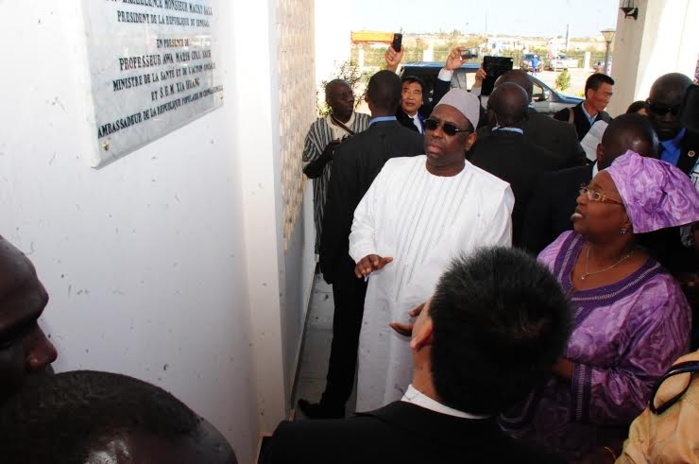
x=407 y=121
x=401 y=433
x=555 y=136
x=510 y=157
x=582 y=125
x=355 y=165
x=551 y=205
x=690 y=151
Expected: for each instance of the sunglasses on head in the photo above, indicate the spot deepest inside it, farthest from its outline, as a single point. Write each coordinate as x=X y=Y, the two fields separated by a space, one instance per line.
x=447 y=128
x=662 y=110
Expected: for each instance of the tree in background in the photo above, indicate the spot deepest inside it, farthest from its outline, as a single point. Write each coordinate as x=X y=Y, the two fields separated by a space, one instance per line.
x=563 y=81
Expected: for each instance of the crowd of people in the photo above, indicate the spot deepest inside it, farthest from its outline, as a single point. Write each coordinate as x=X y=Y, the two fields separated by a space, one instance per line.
x=499 y=297
x=494 y=188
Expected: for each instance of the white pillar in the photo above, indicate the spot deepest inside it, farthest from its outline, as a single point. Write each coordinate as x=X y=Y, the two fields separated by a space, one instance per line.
x=664 y=39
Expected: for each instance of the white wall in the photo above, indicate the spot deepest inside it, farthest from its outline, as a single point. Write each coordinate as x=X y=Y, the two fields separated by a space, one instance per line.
x=664 y=39
x=150 y=261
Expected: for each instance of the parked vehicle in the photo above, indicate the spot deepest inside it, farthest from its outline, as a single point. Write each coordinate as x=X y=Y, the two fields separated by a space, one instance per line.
x=527 y=62
x=544 y=99
x=561 y=62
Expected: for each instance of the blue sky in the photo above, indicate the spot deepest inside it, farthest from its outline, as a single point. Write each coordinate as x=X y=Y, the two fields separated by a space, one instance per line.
x=517 y=17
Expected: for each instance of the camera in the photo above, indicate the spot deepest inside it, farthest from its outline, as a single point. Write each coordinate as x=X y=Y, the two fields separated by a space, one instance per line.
x=468 y=53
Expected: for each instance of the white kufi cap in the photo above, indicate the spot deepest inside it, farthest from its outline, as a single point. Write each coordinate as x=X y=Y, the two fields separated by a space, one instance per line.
x=467 y=104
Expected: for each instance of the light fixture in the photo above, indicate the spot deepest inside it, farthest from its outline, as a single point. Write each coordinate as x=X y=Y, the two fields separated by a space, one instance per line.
x=630 y=9
x=608 y=35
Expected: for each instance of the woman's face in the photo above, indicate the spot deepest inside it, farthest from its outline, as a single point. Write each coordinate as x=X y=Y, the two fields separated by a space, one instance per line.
x=603 y=216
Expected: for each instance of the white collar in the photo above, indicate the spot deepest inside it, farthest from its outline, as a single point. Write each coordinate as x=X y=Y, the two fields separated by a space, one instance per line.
x=413 y=396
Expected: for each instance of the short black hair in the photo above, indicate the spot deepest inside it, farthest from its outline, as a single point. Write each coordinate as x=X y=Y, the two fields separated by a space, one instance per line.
x=411 y=79
x=596 y=80
x=636 y=106
x=500 y=321
x=58 y=419
x=384 y=90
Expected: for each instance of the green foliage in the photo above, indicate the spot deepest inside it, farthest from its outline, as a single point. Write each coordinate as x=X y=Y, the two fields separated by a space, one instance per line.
x=563 y=81
x=348 y=71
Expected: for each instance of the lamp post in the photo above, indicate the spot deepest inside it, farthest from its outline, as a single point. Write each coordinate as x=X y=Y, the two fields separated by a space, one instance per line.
x=608 y=35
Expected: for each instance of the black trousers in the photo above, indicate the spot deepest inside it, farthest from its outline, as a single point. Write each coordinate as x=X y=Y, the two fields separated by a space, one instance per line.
x=348 y=293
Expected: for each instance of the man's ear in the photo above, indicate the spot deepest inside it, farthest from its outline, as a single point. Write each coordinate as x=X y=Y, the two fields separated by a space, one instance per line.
x=471 y=139
x=600 y=153
x=423 y=336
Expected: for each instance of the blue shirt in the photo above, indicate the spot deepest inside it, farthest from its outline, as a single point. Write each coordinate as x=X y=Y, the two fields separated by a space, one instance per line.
x=381 y=119
x=509 y=129
x=671 y=148
x=591 y=119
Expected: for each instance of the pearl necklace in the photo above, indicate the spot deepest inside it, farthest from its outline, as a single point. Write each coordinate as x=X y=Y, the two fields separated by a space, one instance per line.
x=587 y=274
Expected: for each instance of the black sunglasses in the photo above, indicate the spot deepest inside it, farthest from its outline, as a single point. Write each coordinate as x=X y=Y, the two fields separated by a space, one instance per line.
x=662 y=110
x=687 y=367
x=448 y=128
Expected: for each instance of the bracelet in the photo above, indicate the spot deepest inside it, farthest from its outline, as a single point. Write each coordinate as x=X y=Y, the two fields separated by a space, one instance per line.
x=611 y=451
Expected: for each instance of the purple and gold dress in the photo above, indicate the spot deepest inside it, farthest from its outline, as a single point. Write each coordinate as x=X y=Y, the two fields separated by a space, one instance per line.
x=625 y=336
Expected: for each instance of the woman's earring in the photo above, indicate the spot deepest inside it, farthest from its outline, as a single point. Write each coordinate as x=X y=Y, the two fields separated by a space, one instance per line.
x=623 y=230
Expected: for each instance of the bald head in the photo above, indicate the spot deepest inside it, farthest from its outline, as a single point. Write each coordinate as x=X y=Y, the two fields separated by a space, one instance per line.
x=520 y=78
x=508 y=104
x=24 y=349
x=670 y=86
x=664 y=102
x=627 y=132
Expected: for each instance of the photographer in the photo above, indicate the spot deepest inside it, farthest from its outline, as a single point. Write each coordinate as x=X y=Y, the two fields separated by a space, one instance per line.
x=324 y=135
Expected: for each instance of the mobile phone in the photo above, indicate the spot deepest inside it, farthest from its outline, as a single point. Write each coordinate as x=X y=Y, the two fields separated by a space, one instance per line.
x=397 y=41
x=468 y=53
x=494 y=66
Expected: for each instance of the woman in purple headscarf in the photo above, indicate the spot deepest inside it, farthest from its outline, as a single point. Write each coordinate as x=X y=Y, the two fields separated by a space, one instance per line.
x=632 y=319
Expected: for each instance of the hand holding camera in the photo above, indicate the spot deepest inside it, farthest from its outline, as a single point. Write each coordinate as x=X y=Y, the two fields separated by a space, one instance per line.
x=458 y=56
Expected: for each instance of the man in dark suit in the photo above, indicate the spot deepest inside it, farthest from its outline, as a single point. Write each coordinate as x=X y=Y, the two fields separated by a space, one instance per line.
x=355 y=165
x=553 y=201
x=598 y=91
x=413 y=108
x=491 y=332
x=506 y=153
x=679 y=146
x=557 y=137
x=412 y=112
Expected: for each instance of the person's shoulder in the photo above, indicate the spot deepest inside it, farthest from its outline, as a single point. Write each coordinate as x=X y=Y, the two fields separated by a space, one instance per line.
x=319 y=122
x=486 y=180
x=569 y=176
x=563 y=115
x=690 y=139
x=318 y=440
x=404 y=162
x=361 y=120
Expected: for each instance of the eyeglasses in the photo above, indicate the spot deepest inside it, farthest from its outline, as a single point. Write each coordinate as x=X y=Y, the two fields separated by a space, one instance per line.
x=662 y=110
x=448 y=128
x=594 y=195
x=689 y=368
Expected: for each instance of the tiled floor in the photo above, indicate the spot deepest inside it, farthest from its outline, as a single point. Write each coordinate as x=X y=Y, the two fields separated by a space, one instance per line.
x=316 y=347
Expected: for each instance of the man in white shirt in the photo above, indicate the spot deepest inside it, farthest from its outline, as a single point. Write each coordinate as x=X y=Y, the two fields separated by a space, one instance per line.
x=489 y=334
x=418 y=214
